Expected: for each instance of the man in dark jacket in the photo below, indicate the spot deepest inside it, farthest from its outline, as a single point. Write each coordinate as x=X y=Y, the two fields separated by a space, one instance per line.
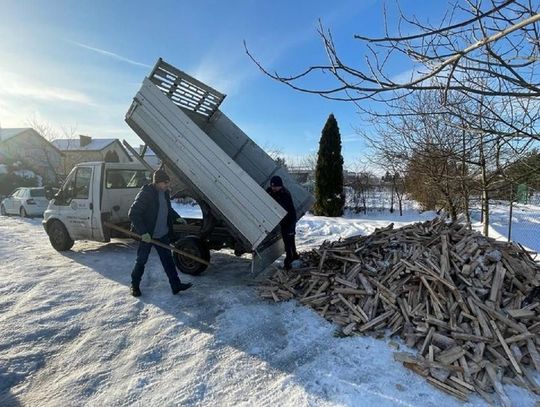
x=152 y=217
x=288 y=223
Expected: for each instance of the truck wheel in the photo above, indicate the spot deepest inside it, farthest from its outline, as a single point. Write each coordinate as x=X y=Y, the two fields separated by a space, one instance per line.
x=192 y=245
x=3 y=210
x=59 y=236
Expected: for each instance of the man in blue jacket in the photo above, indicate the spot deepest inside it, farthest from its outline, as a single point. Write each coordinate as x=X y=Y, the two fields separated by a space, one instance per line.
x=288 y=223
x=152 y=217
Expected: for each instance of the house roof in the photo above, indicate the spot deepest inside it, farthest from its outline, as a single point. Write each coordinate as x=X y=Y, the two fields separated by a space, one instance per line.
x=147 y=152
x=97 y=144
x=6 y=134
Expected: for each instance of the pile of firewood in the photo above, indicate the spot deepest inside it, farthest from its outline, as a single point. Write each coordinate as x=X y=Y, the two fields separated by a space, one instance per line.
x=467 y=303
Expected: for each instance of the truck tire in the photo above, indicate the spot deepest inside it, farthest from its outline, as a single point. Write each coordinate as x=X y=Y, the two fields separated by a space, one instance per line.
x=192 y=245
x=59 y=236
x=3 y=211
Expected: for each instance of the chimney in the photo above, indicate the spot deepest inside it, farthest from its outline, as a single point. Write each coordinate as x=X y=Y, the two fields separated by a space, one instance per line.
x=84 y=140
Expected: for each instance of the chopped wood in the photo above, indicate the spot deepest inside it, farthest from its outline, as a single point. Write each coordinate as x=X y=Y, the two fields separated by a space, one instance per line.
x=497 y=283
x=506 y=348
x=453 y=294
x=443 y=341
x=521 y=313
x=448 y=389
x=376 y=320
x=365 y=283
x=420 y=361
x=533 y=353
x=427 y=340
x=519 y=338
x=349 y=328
x=346 y=283
x=468 y=337
x=347 y=291
x=505 y=401
x=356 y=310
x=462 y=383
x=450 y=355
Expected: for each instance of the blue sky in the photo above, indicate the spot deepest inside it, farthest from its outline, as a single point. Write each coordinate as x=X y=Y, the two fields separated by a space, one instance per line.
x=77 y=64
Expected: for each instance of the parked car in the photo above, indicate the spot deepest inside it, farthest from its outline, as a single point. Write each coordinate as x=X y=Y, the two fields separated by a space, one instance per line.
x=25 y=202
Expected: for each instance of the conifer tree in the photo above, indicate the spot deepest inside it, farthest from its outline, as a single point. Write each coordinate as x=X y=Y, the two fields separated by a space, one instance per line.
x=329 y=172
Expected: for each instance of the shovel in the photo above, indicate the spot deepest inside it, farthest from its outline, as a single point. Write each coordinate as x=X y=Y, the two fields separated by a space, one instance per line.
x=156 y=242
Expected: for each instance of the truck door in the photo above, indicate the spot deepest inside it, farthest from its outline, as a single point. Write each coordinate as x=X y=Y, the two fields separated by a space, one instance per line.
x=77 y=203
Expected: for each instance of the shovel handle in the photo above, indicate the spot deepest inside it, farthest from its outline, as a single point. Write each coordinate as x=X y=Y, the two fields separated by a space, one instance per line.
x=156 y=242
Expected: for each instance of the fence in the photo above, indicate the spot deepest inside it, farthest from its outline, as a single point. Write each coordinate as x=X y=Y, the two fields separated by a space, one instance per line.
x=377 y=198
x=513 y=214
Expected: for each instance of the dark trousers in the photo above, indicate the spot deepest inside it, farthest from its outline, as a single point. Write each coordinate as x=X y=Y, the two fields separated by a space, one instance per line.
x=290 y=248
x=166 y=260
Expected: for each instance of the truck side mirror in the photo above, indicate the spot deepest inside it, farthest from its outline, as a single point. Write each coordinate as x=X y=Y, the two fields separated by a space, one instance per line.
x=49 y=194
x=59 y=196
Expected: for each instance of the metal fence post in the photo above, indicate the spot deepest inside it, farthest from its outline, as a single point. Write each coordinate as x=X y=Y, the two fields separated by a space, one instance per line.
x=510 y=215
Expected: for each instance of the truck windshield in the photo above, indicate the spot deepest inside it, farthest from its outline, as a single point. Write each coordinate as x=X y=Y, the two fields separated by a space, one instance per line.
x=119 y=179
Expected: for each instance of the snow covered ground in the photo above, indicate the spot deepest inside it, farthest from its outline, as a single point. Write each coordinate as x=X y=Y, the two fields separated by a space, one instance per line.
x=525 y=223
x=71 y=335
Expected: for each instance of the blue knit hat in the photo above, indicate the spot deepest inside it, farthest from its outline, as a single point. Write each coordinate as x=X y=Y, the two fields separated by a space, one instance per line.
x=276 y=181
x=160 y=176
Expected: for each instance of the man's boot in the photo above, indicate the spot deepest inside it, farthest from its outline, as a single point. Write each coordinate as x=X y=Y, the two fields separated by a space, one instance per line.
x=135 y=291
x=181 y=287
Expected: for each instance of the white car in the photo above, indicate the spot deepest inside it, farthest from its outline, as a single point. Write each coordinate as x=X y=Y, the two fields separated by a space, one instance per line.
x=25 y=202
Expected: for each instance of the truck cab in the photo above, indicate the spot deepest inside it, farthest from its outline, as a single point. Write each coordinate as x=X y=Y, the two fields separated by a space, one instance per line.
x=93 y=192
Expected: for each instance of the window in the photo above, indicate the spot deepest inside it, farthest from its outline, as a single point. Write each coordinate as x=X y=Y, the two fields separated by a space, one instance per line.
x=82 y=182
x=69 y=186
x=112 y=157
x=34 y=193
x=118 y=179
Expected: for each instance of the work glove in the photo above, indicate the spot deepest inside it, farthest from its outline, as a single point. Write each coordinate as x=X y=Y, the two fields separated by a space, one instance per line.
x=181 y=221
x=146 y=238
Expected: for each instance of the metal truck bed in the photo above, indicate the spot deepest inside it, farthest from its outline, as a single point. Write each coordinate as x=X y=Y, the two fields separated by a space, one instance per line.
x=179 y=118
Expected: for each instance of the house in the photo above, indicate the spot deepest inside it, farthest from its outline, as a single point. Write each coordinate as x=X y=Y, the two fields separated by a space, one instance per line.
x=33 y=151
x=302 y=174
x=85 y=149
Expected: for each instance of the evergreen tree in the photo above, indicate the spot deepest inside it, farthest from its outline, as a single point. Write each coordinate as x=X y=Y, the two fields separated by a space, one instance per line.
x=329 y=172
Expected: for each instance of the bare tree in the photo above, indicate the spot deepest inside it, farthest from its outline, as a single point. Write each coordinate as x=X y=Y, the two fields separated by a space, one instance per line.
x=480 y=61
x=479 y=49
x=416 y=146
x=443 y=159
x=50 y=133
x=276 y=153
x=362 y=185
x=309 y=161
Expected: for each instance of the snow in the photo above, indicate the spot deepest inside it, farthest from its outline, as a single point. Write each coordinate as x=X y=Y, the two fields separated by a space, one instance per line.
x=70 y=333
x=96 y=144
x=525 y=223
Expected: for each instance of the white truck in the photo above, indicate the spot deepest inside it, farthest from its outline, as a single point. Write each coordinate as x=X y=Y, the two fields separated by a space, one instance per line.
x=93 y=192
x=214 y=162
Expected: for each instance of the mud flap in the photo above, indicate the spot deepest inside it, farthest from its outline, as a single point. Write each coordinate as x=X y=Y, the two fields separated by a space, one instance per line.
x=266 y=253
